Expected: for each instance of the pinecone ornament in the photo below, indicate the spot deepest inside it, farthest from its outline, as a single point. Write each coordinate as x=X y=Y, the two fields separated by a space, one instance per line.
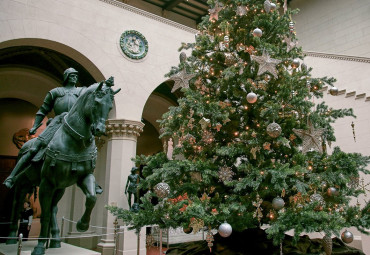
x=327 y=243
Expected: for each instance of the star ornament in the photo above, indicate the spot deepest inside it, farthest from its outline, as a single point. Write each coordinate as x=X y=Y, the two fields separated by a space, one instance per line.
x=290 y=43
x=311 y=138
x=213 y=13
x=181 y=80
x=266 y=64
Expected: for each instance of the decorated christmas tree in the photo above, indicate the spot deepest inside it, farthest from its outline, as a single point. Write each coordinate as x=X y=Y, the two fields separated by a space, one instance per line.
x=250 y=146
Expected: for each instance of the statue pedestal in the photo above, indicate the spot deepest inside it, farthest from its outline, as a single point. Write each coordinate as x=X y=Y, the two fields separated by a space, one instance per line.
x=84 y=242
x=27 y=248
x=128 y=243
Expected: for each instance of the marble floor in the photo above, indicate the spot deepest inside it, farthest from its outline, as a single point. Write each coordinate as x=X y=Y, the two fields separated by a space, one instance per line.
x=27 y=248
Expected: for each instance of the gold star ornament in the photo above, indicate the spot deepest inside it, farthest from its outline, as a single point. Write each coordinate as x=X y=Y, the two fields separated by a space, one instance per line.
x=181 y=80
x=311 y=138
x=266 y=64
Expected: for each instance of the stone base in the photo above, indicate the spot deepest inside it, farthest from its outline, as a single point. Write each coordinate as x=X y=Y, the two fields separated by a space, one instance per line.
x=84 y=242
x=27 y=248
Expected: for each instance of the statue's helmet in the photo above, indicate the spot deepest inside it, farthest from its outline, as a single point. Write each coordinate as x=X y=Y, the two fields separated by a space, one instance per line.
x=67 y=72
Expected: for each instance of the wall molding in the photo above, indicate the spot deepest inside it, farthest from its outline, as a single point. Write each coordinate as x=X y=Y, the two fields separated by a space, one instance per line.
x=337 y=57
x=348 y=94
x=150 y=15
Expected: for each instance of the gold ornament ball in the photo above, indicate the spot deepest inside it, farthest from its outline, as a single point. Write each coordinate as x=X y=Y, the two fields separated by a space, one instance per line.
x=252 y=97
x=273 y=130
x=347 y=236
x=257 y=32
x=333 y=91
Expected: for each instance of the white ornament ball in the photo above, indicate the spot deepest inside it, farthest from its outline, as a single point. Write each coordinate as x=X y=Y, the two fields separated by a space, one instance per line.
x=225 y=230
x=226 y=39
x=272 y=6
x=332 y=192
x=257 y=32
x=273 y=130
x=333 y=91
x=278 y=203
x=162 y=190
x=347 y=236
x=252 y=97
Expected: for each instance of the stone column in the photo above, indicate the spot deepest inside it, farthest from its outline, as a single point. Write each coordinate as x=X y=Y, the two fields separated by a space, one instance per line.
x=121 y=147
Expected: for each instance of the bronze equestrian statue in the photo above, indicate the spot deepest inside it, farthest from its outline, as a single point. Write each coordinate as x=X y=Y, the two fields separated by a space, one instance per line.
x=68 y=157
x=60 y=100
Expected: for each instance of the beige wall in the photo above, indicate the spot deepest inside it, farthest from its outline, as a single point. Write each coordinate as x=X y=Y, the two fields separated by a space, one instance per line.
x=334 y=26
x=93 y=28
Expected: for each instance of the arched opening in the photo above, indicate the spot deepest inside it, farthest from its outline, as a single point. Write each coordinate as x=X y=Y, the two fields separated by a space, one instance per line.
x=156 y=105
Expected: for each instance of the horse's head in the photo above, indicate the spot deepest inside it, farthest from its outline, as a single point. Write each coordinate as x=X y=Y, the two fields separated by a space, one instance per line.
x=103 y=103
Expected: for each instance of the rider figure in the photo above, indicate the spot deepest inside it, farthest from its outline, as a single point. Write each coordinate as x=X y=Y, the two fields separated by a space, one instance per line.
x=131 y=185
x=61 y=100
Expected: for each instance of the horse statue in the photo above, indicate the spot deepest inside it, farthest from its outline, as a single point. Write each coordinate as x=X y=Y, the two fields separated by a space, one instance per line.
x=69 y=158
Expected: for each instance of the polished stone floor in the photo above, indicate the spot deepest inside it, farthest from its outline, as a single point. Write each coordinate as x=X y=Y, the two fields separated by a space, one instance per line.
x=27 y=248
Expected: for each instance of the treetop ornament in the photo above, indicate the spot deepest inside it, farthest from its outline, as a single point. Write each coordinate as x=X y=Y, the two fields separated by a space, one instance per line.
x=311 y=138
x=266 y=64
x=213 y=13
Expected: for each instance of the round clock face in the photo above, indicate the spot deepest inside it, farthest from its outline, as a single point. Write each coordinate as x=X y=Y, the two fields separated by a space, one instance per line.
x=133 y=44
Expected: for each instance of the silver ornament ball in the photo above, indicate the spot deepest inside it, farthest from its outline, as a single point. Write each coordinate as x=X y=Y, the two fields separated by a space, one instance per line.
x=273 y=130
x=333 y=91
x=225 y=229
x=257 y=32
x=295 y=63
x=162 y=190
x=347 y=236
x=272 y=6
x=332 y=192
x=317 y=197
x=252 y=97
x=278 y=203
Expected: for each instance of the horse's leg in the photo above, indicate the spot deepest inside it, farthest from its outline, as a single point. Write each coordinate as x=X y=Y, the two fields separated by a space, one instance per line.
x=87 y=186
x=46 y=194
x=54 y=229
x=17 y=206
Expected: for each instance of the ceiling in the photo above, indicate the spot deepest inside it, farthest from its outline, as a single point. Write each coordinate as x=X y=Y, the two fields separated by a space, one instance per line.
x=192 y=9
x=43 y=60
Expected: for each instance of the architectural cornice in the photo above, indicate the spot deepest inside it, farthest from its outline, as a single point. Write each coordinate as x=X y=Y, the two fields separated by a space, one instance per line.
x=337 y=57
x=150 y=15
x=124 y=129
x=349 y=94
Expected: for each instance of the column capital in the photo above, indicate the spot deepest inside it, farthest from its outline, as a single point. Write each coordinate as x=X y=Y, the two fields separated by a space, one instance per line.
x=124 y=129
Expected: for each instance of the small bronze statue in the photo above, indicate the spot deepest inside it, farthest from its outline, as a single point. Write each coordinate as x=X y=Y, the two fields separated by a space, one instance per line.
x=131 y=186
